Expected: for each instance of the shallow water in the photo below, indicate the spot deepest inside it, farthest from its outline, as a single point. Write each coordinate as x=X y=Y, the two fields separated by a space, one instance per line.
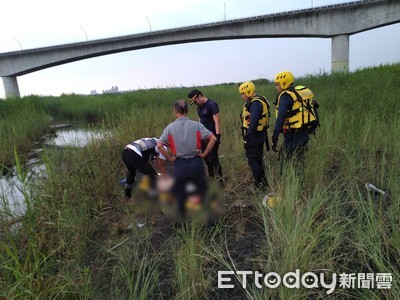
x=75 y=137
x=11 y=186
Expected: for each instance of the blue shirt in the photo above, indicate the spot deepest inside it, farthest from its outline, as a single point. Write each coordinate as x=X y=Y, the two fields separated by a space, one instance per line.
x=206 y=113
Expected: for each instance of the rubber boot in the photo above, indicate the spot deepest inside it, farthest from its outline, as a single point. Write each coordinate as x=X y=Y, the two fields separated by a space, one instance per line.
x=128 y=191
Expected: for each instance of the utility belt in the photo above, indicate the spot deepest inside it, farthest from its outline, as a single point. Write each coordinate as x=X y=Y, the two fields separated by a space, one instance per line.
x=295 y=131
x=186 y=158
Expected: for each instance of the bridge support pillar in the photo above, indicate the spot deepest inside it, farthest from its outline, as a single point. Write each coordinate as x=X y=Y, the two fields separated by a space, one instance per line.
x=11 y=86
x=340 y=53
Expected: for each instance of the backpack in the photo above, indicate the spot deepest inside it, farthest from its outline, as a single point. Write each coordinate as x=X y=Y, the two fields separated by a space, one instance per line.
x=304 y=113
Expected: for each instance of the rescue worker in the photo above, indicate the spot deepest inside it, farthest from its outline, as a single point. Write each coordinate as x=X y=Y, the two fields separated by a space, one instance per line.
x=208 y=112
x=254 y=118
x=136 y=156
x=184 y=137
x=294 y=119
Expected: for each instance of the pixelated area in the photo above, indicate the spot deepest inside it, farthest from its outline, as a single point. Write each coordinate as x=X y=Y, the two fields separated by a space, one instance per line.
x=201 y=206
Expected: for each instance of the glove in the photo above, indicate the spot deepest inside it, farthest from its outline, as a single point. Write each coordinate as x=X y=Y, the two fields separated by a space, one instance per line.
x=274 y=145
x=218 y=136
x=245 y=145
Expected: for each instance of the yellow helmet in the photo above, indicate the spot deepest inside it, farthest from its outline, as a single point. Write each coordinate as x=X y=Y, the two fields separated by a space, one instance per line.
x=248 y=88
x=285 y=79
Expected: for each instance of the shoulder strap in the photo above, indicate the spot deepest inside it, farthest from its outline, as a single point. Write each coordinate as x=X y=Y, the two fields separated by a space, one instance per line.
x=267 y=114
x=262 y=99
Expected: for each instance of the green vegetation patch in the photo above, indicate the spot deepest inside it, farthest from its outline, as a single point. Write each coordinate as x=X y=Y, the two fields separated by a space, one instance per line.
x=82 y=240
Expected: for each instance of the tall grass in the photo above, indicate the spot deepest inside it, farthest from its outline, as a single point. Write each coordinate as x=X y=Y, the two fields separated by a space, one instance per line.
x=21 y=124
x=82 y=239
x=190 y=268
x=29 y=265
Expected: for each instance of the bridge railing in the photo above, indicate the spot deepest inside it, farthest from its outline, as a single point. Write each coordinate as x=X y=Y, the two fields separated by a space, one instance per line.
x=197 y=26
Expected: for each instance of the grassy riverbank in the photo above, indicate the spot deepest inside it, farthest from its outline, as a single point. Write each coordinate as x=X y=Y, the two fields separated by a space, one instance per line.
x=75 y=243
x=21 y=123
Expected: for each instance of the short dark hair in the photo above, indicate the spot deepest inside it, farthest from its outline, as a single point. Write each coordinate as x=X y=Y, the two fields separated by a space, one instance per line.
x=181 y=107
x=193 y=93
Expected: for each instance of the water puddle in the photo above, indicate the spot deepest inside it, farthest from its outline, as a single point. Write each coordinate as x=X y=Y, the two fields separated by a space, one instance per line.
x=75 y=137
x=11 y=187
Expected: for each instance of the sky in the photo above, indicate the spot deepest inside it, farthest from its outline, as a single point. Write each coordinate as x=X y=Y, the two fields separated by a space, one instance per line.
x=27 y=24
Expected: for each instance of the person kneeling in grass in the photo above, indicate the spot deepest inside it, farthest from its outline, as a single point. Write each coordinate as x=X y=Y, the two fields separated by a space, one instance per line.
x=136 y=156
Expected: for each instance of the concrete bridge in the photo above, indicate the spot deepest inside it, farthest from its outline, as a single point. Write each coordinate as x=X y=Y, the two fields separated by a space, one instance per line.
x=337 y=22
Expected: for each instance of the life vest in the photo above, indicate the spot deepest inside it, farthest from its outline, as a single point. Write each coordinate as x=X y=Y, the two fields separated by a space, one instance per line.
x=263 y=120
x=147 y=147
x=304 y=112
x=145 y=143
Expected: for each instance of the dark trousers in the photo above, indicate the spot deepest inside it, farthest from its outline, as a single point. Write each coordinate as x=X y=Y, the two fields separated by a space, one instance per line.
x=255 y=159
x=212 y=162
x=293 y=152
x=188 y=170
x=134 y=162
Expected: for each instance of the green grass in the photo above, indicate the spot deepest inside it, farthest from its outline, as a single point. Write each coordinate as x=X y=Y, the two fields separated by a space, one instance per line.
x=21 y=124
x=74 y=243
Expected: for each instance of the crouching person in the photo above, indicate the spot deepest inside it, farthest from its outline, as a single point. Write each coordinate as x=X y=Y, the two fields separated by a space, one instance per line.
x=137 y=156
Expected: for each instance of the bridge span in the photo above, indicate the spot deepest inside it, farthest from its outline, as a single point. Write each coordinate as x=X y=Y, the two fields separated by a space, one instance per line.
x=337 y=22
